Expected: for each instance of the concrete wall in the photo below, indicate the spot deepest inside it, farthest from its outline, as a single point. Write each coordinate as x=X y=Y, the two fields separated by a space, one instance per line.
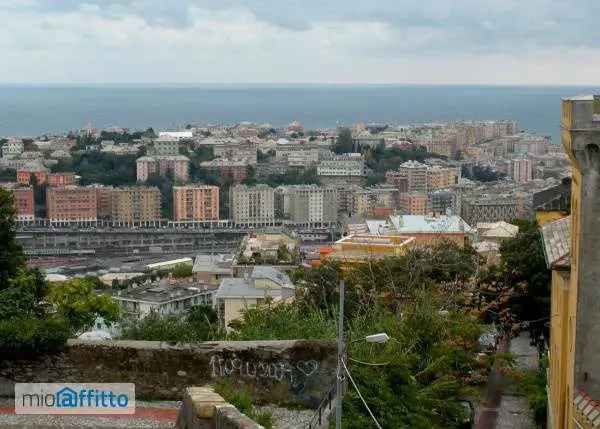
x=275 y=371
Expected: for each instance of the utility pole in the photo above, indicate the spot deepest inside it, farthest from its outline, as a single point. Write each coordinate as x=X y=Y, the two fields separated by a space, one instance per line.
x=340 y=346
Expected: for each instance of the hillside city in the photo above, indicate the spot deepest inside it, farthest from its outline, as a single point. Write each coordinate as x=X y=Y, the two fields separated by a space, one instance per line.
x=443 y=236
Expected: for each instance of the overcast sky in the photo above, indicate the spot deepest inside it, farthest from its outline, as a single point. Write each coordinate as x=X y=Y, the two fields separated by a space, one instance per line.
x=281 y=41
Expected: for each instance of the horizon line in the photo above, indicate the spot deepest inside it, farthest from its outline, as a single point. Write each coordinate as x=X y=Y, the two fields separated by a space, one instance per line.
x=346 y=84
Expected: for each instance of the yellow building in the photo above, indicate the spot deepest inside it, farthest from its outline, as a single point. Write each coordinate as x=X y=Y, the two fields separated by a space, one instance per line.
x=363 y=248
x=574 y=371
x=235 y=295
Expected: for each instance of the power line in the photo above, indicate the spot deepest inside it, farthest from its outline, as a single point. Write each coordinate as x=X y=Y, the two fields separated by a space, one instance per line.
x=360 y=395
x=368 y=363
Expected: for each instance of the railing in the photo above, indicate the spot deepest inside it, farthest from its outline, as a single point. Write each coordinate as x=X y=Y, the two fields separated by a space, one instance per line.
x=316 y=421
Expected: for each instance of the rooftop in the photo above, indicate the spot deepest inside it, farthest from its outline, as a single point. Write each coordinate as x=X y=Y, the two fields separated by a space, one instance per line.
x=219 y=263
x=244 y=288
x=556 y=238
x=271 y=273
x=163 y=292
x=407 y=224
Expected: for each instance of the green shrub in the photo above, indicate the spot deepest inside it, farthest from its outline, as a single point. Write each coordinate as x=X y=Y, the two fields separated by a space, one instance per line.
x=533 y=386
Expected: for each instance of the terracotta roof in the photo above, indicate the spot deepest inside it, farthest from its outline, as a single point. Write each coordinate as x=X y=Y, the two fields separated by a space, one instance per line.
x=557 y=242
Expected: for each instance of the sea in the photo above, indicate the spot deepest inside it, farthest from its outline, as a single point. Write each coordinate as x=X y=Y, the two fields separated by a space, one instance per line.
x=34 y=110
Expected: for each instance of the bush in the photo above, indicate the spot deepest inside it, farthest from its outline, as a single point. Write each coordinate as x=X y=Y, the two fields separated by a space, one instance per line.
x=33 y=335
x=283 y=322
x=200 y=324
x=533 y=386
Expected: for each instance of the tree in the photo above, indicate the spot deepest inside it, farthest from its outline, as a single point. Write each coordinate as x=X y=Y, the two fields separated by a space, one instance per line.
x=77 y=302
x=100 y=167
x=27 y=323
x=8 y=174
x=180 y=271
x=344 y=142
x=165 y=185
x=11 y=254
x=482 y=173
x=516 y=292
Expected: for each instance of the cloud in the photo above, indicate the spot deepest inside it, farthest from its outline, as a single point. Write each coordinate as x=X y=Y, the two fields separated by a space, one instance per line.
x=308 y=40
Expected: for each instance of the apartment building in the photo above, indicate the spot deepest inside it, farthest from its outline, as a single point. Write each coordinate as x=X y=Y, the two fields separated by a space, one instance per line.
x=236 y=169
x=23 y=201
x=367 y=201
x=136 y=204
x=342 y=170
x=165 y=297
x=177 y=165
x=13 y=148
x=307 y=204
x=71 y=203
x=531 y=144
x=416 y=177
x=163 y=146
x=441 y=202
x=253 y=205
x=413 y=203
x=61 y=179
x=490 y=209
x=195 y=202
x=103 y=200
x=410 y=177
x=442 y=177
x=237 y=150
x=299 y=155
x=440 y=144
x=39 y=171
x=522 y=170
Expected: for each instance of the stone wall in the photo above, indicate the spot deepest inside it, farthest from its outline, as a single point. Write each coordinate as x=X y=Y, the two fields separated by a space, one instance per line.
x=284 y=372
x=202 y=408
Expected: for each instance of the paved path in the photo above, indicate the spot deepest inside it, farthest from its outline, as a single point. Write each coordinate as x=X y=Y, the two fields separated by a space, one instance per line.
x=147 y=415
x=500 y=410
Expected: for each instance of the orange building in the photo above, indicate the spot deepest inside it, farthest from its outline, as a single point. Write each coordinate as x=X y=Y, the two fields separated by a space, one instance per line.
x=71 y=203
x=103 y=200
x=24 y=175
x=61 y=179
x=195 y=202
x=413 y=204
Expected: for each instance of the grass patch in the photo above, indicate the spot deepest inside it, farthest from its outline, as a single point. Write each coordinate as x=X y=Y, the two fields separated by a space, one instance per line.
x=241 y=398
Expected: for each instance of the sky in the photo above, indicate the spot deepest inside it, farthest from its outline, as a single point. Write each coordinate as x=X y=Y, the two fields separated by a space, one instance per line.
x=301 y=41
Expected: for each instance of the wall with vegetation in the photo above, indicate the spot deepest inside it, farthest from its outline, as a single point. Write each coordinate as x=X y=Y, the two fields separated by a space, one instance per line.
x=293 y=372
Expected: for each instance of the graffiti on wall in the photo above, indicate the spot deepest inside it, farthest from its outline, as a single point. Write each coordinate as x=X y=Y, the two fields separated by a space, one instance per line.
x=294 y=373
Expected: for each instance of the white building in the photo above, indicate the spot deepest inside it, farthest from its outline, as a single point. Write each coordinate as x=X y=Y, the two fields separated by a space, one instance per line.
x=307 y=204
x=252 y=205
x=350 y=164
x=13 y=147
x=163 y=298
x=179 y=135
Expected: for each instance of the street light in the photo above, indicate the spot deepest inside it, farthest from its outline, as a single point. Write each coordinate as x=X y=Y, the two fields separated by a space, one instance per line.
x=379 y=338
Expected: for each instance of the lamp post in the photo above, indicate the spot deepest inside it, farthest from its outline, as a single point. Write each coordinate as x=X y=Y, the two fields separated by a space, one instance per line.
x=339 y=372
x=379 y=338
